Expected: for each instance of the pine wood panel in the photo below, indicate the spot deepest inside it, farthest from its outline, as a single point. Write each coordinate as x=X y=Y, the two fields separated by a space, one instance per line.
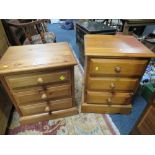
x=47 y=116
x=94 y=108
x=116 y=46
x=108 y=98
x=41 y=107
x=36 y=79
x=30 y=95
x=112 y=83
x=117 y=67
x=36 y=57
x=147 y=124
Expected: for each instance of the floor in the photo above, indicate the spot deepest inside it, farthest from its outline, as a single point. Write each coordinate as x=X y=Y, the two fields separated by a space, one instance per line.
x=123 y=122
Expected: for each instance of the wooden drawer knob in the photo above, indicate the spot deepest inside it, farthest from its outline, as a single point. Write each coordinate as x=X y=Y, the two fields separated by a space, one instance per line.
x=96 y=68
x=112 y=85
x=109 y=101
x=40 y=80
x=117 y=69
x=47 y=109
x=43 y=96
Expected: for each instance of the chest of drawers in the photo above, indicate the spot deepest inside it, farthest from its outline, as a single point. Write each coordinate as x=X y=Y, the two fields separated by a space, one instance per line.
x=40 y=80
x=114 y=66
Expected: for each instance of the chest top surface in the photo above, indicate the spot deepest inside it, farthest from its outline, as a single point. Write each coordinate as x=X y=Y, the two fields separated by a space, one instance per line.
x=115 y=45
x=29 y=57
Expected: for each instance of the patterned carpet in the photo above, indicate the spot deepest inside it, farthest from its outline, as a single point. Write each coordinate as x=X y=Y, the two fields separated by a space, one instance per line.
x=82 y=124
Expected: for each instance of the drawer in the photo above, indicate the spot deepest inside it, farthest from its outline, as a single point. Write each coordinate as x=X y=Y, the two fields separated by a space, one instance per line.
x=37 y=79
x=119 y=67
x=111 y=84
x=108 y=98
x=38 y=94
x=40 y=107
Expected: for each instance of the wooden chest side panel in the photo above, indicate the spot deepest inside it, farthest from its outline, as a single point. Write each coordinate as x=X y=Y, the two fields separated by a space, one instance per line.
x=147 y=124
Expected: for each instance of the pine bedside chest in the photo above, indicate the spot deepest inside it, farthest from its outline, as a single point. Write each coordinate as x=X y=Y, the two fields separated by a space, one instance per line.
x=114 y=66
x=40 y=80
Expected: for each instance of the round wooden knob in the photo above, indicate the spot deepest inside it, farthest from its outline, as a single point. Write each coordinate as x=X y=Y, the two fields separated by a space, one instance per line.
x=47 y=109
x=112 y=85
x=40 y=80
x=118 y=69
x=109 y=100
x=43 y=96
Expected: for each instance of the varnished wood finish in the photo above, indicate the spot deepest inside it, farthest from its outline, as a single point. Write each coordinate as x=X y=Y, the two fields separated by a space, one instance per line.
x=110 y=83
x=47 y=116
x=117 y=67
x=41 y=107
x=25 y=80
x=108 y=98
x=36 y=57
x=114 y=67
x=29 y=96
x=115 y=46
x=39 y=80
x=146 y=123
x=95 y=108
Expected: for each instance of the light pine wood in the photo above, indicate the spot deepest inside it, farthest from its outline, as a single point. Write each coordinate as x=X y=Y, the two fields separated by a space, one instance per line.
x=108 y=98
x=117 y=67
x=47 y=116
x=112 y=83
x=39 y=79
x=41 y=107
x=116 y=46
x=113 y=109
x=113 y=68
x=36 y=57
x=30 y=95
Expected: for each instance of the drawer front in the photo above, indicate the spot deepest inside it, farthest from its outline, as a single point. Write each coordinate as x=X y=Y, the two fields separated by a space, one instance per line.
x=40 y=107
x=29 y=96
x=108 y=98
x=37 y=79
x=119 y=67
x=111 y=84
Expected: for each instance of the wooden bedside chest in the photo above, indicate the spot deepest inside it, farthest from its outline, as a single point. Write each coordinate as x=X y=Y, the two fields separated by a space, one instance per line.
x=114 y=66
x=40 y=80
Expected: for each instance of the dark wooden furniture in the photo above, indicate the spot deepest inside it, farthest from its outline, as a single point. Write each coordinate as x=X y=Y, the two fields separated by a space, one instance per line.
x=127 y=23
x=114 y=65
x=91 y=27
x=146 y=123
x=29 y=32
x=40 y=80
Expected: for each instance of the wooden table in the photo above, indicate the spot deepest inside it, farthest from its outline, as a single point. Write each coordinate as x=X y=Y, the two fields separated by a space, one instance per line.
x=83 y=28
x=39 y=80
